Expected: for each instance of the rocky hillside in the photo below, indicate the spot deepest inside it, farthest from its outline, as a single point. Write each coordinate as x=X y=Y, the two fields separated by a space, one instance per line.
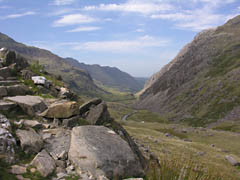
x=201 y=84
x=46 y=133
x=78 y=79
x=109 y=76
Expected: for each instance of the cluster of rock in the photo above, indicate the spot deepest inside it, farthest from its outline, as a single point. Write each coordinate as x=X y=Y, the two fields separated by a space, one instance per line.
x=101 y=149
x=95 y=151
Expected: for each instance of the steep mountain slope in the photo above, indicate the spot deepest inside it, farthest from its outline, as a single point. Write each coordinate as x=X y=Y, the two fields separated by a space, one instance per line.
x=201 y=84
x=78 y=79
x=109 y=76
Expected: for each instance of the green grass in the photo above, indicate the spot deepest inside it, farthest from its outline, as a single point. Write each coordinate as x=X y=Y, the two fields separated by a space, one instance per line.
x=4 y=174
x=176 y=154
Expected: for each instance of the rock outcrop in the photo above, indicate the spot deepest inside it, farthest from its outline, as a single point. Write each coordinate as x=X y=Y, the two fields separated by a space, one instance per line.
x=32 y=105
x=99 y=115
x=100 y=151
x=61 y=110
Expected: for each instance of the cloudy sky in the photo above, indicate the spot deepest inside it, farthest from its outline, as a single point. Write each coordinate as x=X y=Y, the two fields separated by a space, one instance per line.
x=137 y=36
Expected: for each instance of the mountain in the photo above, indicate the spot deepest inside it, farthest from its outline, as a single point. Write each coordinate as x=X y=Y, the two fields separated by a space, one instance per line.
x=201 y=85
x=109 y=76
x=78 y=79
x=141 y=80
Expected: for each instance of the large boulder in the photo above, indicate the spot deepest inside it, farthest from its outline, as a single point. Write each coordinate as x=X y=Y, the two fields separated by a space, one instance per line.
x=86 y=106
x=117 y=128
x=32 y=105
x=99 y=115
x=44 y=163
x=61 y=110
x=31 y=142
x=101 y=152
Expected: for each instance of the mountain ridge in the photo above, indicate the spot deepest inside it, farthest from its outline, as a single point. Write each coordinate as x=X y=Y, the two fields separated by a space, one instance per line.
x=109 y=76
x=198 y=86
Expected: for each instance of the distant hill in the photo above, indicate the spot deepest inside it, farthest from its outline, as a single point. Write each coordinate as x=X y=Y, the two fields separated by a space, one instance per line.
x=142 y=81
x=78 y=79
x=201 y=85
x=109 y=76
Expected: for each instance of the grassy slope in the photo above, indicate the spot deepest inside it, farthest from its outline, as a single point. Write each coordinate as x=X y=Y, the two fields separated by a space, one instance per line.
x=176 y=154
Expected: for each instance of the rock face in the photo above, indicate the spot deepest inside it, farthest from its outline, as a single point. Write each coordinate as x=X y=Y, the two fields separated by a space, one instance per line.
x=30 y=141
x=5 y=72
x=62 y=109
x=204 y=72
x=100 y=151
x=7 y=141
x=44 y=163
x=17 y=90
x=99 y=115
x=7 y=106
x=86 y=106
x=58 y=146
x=30 y=104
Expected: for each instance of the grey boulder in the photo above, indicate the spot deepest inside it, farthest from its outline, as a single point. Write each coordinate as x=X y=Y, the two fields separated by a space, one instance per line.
x=31 y=142
x=99 y=115
x=101 y=152
x=32 y=105
x=86 y=106
x=44 y=163
x=232 y=160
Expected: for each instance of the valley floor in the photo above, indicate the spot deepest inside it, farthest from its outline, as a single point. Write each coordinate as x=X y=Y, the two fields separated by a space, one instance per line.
x=186 y=153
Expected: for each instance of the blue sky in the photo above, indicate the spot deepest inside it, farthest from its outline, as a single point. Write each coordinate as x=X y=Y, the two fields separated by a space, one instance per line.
x=137 y=36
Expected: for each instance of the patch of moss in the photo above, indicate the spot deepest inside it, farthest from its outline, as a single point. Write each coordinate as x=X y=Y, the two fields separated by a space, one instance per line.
x=4 y=171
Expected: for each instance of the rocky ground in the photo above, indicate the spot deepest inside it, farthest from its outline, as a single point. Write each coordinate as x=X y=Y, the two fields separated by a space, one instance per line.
x=60 y=138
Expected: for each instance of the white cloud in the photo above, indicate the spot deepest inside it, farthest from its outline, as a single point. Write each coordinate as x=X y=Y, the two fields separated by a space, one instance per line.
x=88 y=28
x=13 y=16
x=121 y=45
x=140 y=30
x=133 y=6
x=73 y=19
x=63 y=2
x=203 y=16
